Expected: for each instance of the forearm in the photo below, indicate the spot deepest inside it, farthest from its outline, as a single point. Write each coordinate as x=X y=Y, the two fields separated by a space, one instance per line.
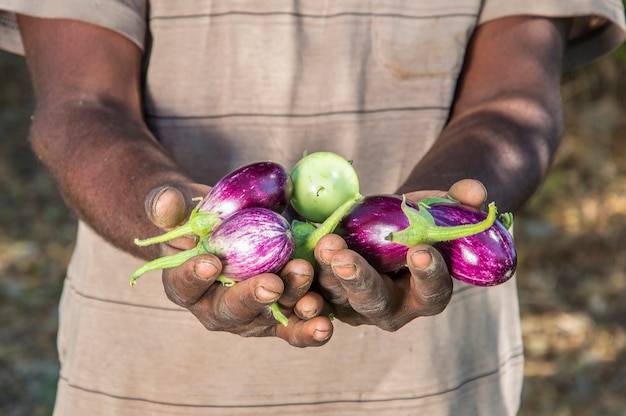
x=105 y=162
x=506 y=121
x=507 y=144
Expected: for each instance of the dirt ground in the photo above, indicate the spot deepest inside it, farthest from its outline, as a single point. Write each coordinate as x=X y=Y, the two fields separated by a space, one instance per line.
x=571 y=239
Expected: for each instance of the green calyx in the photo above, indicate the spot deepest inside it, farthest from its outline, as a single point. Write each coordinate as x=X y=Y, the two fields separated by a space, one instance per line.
x=200 y=223
x=506 y=218
x=423 y=230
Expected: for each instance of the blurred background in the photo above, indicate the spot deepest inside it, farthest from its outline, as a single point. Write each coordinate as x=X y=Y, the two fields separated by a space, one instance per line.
x=571 y=238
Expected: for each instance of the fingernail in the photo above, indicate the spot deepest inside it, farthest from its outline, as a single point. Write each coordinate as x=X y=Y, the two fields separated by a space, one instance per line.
x=421 y=259
x=205 y=270
x=264 y=295
x=152 y=201
x=309 y=313
x=327 y=255
x=298 y=281
x=167 y=207
x=320 y=335
x=345 y=271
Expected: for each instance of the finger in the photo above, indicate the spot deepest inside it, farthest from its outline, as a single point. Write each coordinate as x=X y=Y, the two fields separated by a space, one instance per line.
x=186 y=284
x=312 y=333
x=166 y=207
x=369 y=293
x=469 y=192
x=310 y=306
x=330 y=286
x=431 y=284
x=169 y=206
x=240 y=304
x=298 y=277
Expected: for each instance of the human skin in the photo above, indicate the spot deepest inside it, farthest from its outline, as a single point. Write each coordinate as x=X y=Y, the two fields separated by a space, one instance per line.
x=89 y=132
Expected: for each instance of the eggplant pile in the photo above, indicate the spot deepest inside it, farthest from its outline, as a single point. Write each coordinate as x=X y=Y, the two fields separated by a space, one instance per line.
x=258 y=217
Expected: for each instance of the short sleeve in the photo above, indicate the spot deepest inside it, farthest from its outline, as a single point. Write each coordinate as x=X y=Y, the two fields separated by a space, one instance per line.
x=127 y=17
x=598 y=25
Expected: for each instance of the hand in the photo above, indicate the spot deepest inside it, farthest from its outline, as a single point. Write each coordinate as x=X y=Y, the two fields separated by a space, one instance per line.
x=242 y=308
x=358 y=294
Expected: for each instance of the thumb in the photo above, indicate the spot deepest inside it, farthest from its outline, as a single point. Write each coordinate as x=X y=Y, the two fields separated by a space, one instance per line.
x=168 y=206
x=469 y=192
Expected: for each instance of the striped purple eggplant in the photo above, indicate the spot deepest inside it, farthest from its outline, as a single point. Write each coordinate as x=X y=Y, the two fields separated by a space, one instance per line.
x=488 y=258
x=251 y=241
x=383 y=227
x=263 y=184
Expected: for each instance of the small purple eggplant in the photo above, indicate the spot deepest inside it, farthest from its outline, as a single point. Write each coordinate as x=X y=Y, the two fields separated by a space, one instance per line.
x=366 y=228
x=263 y=184
x=249 y=242
x=383 y=227
x=488 y=258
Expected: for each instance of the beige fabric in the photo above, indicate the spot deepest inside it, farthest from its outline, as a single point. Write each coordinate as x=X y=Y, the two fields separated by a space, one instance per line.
x=245 y=81
x=111 y=356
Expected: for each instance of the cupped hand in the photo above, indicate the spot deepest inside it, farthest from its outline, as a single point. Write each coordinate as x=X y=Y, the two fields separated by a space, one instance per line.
x=243 y=308
x=358 y=294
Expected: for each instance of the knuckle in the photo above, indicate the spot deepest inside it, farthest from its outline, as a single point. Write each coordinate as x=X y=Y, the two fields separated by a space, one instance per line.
x=436 y=303
x=174 y=295
x=177 y=299
x=230 y=317
x=391 y=326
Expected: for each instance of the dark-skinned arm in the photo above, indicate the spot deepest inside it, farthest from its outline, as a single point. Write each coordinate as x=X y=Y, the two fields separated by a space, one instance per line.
x=506 y=122
x=89 y=132
x=88 y=129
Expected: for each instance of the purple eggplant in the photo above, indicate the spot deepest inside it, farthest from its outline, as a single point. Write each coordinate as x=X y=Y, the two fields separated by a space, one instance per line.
x=488 y=258
x=366 y=228
x=383 y=227
x=263 y=184
x=249 y=242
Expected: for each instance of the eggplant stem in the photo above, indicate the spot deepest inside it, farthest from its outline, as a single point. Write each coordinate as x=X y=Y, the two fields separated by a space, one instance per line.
x=166 y=262
x=459 y=231
x=305 y=250
x=278 y=315
x=226 y=281
x=422 y=228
